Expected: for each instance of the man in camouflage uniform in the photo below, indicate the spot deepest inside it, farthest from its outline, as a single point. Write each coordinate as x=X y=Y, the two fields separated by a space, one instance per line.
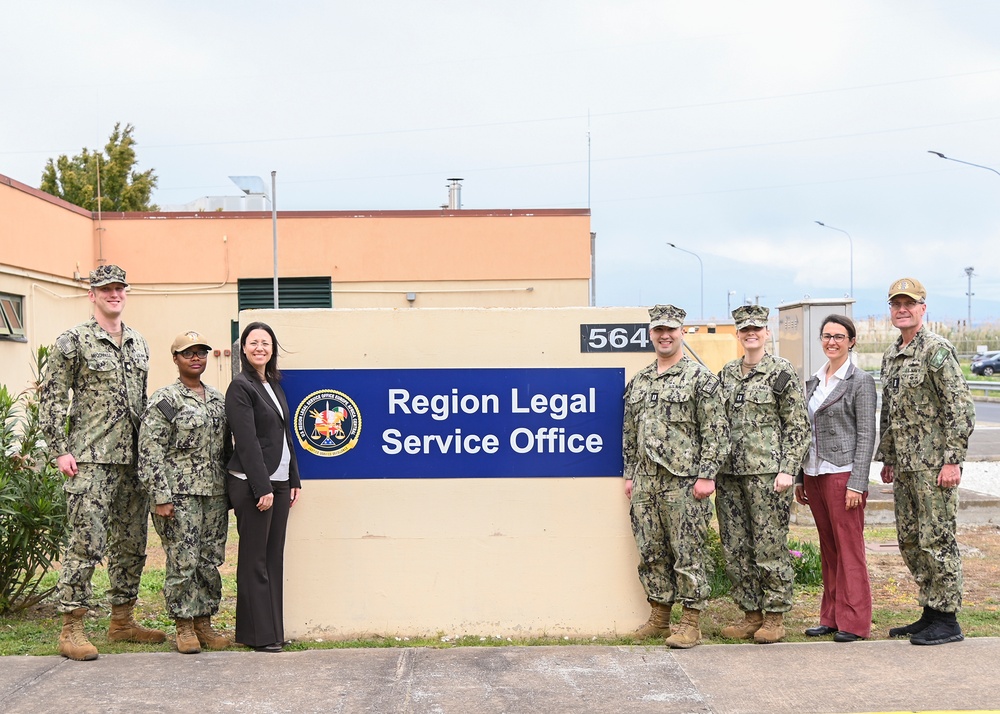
x=769 y=427
x=103 y=364
x=675 y=437
x=927 y=417
x=184 y=444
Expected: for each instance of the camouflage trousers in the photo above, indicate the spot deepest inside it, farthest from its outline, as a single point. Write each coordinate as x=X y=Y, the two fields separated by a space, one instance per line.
x=753 y=528
x=106 y=510
x=925 y=530
x=670 y=528
x=194 y=541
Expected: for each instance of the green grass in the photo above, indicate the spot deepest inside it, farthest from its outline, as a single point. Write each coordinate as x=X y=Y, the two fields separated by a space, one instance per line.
x=36 y=632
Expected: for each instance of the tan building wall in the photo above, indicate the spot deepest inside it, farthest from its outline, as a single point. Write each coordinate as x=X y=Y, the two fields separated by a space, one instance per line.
x=183 y=268
x=497 y=288
x=488 y=556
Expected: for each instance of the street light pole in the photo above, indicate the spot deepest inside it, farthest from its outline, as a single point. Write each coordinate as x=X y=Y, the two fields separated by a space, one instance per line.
x=969 y=273
x=702 y=268
x=959 y=161
x=274 y=234
x=850 y=242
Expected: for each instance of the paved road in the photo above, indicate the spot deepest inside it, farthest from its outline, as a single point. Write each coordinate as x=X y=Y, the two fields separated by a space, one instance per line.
x=985 y=441
x=984 y=445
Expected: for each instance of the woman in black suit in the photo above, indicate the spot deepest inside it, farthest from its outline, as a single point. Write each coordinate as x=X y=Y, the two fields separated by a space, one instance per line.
x=263 y=485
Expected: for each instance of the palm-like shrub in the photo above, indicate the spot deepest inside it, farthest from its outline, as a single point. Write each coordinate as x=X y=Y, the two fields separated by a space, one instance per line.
x=32 y=502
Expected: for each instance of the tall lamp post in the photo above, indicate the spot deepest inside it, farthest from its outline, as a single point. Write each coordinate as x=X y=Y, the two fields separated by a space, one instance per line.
x=969 y=274
x=254 y=186
x=701 y=266
x=968 y=271
x=850 y=242
x=959 y=161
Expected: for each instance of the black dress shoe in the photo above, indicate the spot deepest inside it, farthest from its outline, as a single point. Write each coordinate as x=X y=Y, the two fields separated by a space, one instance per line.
x=842 y=636
x=275 y=647
x=820 y=630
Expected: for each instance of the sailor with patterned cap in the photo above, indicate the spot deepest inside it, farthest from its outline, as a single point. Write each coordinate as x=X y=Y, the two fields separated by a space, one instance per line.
x=769 y=427
x=674 y=439
x=926 y=420
x=91 y=399
x=184 y=444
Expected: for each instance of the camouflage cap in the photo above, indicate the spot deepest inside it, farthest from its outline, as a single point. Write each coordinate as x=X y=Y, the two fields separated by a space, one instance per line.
x=188 y=339
x=666 y=315
x=750 y=316
x=908 y=286
x=107 y=274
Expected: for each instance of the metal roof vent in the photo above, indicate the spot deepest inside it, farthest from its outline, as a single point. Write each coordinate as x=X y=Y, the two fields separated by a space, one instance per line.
x=454 y=194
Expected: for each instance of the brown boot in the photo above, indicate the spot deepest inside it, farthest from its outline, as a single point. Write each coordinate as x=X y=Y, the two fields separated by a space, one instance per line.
x=773 y=629
x=658 y=624
x=688 y=633
x=187 y=641
x=125 y=629
x=209 y=638
x=73 y=642
x=744 y=630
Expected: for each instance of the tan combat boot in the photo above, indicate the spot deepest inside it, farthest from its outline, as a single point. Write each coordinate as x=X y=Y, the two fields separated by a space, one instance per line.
x=746 y=629
x=658 y=624
x=124 y=628
x=773 y=629
x=187 y=641
x=688 y=633
x=209 y=638
x=73 y=642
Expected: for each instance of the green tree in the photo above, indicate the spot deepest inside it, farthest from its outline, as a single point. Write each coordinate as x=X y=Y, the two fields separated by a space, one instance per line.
x=122 y=188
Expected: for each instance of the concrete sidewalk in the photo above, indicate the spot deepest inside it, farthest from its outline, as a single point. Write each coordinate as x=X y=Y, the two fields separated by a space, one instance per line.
x=881 y=676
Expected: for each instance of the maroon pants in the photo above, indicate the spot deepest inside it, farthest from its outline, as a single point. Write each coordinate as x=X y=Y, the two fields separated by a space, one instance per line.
x=847 y=594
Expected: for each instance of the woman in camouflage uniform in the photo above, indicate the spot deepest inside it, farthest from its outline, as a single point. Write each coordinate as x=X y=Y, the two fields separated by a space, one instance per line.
x=184 y=444
x=769 y=429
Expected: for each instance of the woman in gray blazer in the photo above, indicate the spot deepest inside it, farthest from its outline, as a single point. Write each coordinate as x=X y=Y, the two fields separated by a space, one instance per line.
x=834 y=481
x=263 y=485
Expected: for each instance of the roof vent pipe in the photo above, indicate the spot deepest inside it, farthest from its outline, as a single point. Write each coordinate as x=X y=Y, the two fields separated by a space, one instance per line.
x=454 y=194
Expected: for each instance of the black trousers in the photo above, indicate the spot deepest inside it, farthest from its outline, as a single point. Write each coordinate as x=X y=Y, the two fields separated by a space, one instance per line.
x=260 y=572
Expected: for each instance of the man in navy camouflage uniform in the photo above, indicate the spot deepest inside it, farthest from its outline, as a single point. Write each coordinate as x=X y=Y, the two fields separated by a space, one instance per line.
x=184 y=444
x=92 y=396
x=675 y=437
x=927 y=417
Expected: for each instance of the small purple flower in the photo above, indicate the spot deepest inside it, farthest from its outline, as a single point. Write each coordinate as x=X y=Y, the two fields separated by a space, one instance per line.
x=796 y=553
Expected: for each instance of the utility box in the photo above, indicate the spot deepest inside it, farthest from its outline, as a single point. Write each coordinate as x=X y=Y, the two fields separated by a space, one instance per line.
x=799 y=324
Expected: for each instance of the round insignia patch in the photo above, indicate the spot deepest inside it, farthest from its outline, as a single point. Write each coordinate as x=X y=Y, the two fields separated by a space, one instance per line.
x=327 y=423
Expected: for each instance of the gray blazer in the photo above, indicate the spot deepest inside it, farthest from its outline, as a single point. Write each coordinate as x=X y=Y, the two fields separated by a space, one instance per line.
x=843 y=427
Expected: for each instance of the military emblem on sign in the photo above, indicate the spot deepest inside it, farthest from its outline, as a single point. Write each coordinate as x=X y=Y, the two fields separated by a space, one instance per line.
x=327 y=423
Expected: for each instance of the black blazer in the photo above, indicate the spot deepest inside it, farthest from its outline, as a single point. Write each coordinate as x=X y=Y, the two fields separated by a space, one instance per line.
x=258 y=429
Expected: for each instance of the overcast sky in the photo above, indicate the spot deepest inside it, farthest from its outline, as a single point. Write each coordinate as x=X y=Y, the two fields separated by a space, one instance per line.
x=726 y=127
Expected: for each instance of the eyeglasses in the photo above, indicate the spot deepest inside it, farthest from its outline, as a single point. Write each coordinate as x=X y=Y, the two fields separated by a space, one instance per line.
x=827 y=337
x=904 y=305
x=189 y=353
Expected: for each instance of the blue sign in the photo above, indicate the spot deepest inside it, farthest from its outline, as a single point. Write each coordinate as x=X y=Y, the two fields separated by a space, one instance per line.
x=456 y=423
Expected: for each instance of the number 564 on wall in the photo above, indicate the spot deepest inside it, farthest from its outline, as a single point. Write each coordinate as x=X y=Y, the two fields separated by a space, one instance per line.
x=618 y=337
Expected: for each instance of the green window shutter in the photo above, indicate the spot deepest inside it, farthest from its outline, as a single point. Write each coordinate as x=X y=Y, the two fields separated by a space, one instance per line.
x=258 y=293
